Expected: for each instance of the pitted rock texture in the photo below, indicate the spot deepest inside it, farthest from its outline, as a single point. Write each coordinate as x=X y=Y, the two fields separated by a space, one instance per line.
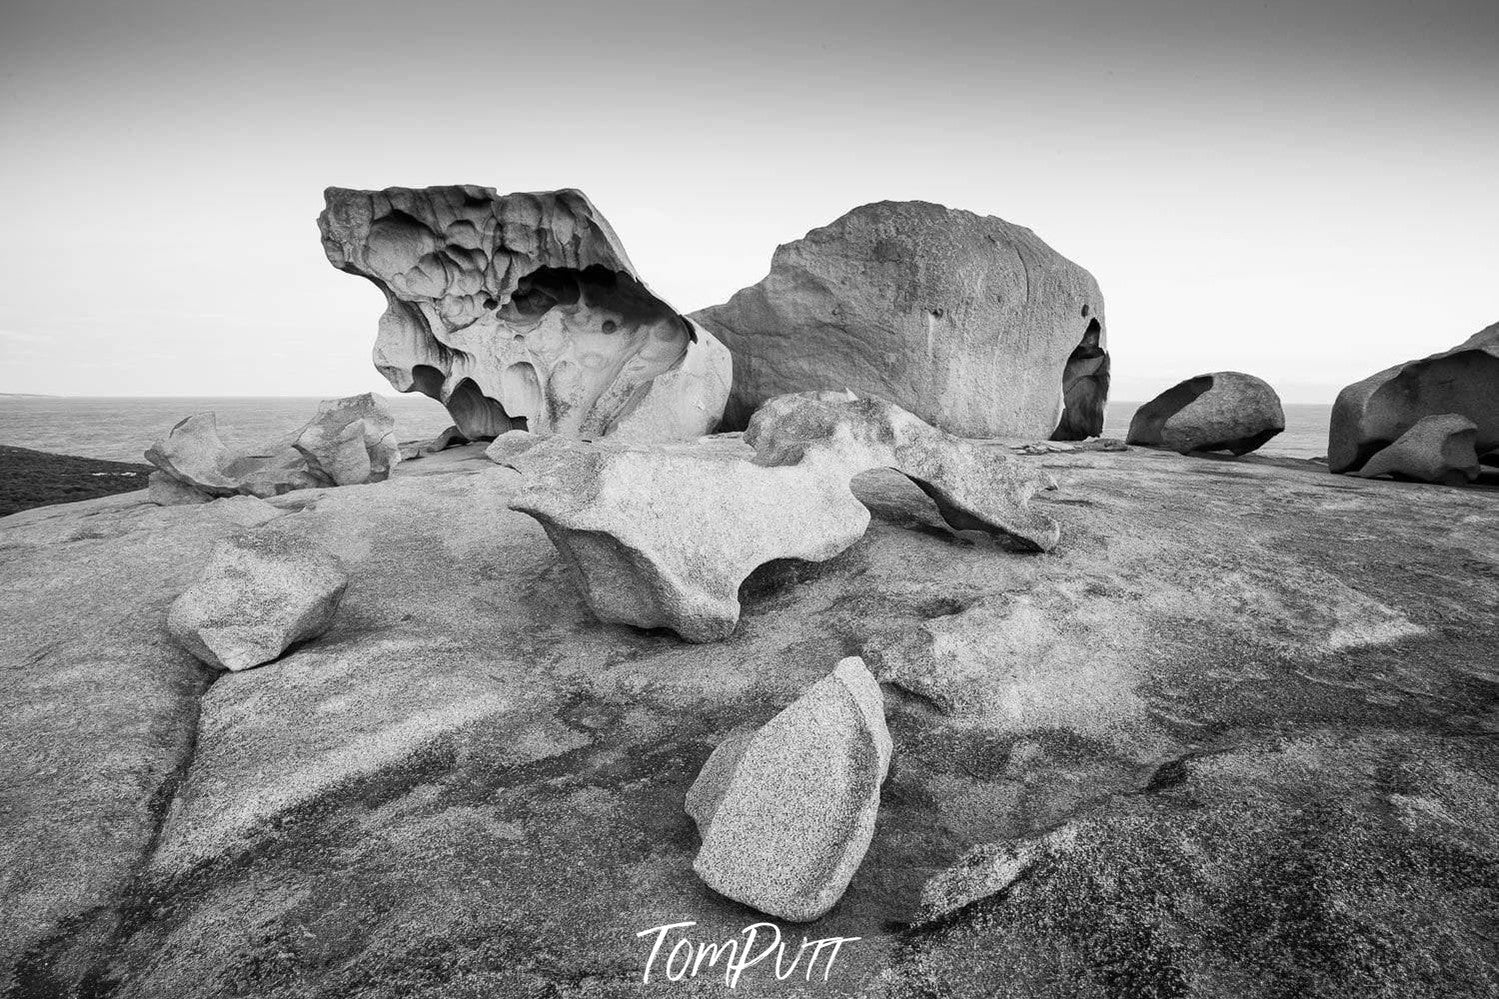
x=349 y=441
x=1222 y=411
x=1372 y=414
x=786 y=815
x=970 y=322
x=1436 y=449
x=662 y=537
x=258 y=595
x=976 y=486
x=523 y=311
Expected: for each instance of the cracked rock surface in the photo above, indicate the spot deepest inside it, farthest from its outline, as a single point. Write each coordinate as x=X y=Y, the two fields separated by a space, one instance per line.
x=470 y=787
x=522 y=311
x=971 y=323
x=786 y=813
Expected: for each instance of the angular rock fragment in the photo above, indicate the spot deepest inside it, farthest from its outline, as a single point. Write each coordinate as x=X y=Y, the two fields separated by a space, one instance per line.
x=663 y=536
x=975 y=486
x=351 y=441
x=259 y=594
x=523 y=311
x=971 y=323
x=786 y=814
x=1436 y=449
x=1370 y=415
x=1222 y=411
x=987 y=870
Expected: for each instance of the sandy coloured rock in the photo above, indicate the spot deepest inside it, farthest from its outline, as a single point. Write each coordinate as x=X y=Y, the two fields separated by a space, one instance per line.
x=663 y=536
x=523 y=311
x=971 y=323
x=259 y=594
x=787 y=814
x=976 y=486
x=1222 y=411
x=1372 y=414
x=1436 y=449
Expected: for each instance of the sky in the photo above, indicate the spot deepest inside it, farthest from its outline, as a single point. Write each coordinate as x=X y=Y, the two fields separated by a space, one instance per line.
x=1307 y=190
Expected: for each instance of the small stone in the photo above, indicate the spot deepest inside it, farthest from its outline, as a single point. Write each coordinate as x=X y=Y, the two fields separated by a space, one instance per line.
x=988 y=870
x=787 y=814
x=259 y=594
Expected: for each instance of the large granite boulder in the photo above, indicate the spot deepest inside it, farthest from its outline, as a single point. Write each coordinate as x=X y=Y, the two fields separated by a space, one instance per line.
x=973 y=324
x=258 y=595
x=1223 y=411
x=348 y=441
x=1372 y=414
x=662 y=537
x=786 y=814
x=1436 y=449
x=523 y=311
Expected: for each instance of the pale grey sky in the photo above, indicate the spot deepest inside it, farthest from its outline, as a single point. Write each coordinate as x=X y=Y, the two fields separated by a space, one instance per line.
x=1307 y=190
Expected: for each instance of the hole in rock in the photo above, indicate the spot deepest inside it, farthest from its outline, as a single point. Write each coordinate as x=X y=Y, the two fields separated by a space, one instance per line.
x=427 y=380
x=595 y=286
x=477 y=416
x=1085 y=386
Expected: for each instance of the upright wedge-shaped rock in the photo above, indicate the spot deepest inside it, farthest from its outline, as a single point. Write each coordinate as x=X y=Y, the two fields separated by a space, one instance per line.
x=786 y=814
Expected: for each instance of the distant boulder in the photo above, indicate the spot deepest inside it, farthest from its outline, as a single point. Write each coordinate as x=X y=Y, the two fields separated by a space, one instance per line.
x=971 y=323
x=351 y=441
x=1222 y=411
x=1370 y=415
x=1436 y=449
x=257 y=596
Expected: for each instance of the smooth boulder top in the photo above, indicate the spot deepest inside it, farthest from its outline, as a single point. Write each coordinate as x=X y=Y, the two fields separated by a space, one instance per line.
x=523 y=311
x=971 y=323
x=1222 y=411
x=786 y=815
x=1372 y=414
x=259 y=594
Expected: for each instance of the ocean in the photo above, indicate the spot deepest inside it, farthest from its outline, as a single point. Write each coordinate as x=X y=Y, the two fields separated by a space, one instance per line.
x=121 y=429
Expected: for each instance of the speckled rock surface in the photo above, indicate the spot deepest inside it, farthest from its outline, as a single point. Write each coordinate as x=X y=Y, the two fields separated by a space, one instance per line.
x=974 y=324
x=787 y=814
x=470 y=787
x=1436 y=449
x=523 y=311
x=1223 y=411
x=1371 y=414
x=976 y=485
x=259 y=594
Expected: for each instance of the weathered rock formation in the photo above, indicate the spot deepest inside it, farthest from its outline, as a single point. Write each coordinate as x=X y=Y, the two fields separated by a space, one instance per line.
x=1436 y=449
x=1372 y=414
x=662 y=536
x=975 y=486
x=523 y=311
x=973 y=324
x=786 y=814
x=468 y=788
x=1223 y=411
x=259 y=594
x=349 y=441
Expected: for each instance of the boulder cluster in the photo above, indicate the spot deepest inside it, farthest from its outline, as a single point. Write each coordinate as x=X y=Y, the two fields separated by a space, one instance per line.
x=904 y=336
